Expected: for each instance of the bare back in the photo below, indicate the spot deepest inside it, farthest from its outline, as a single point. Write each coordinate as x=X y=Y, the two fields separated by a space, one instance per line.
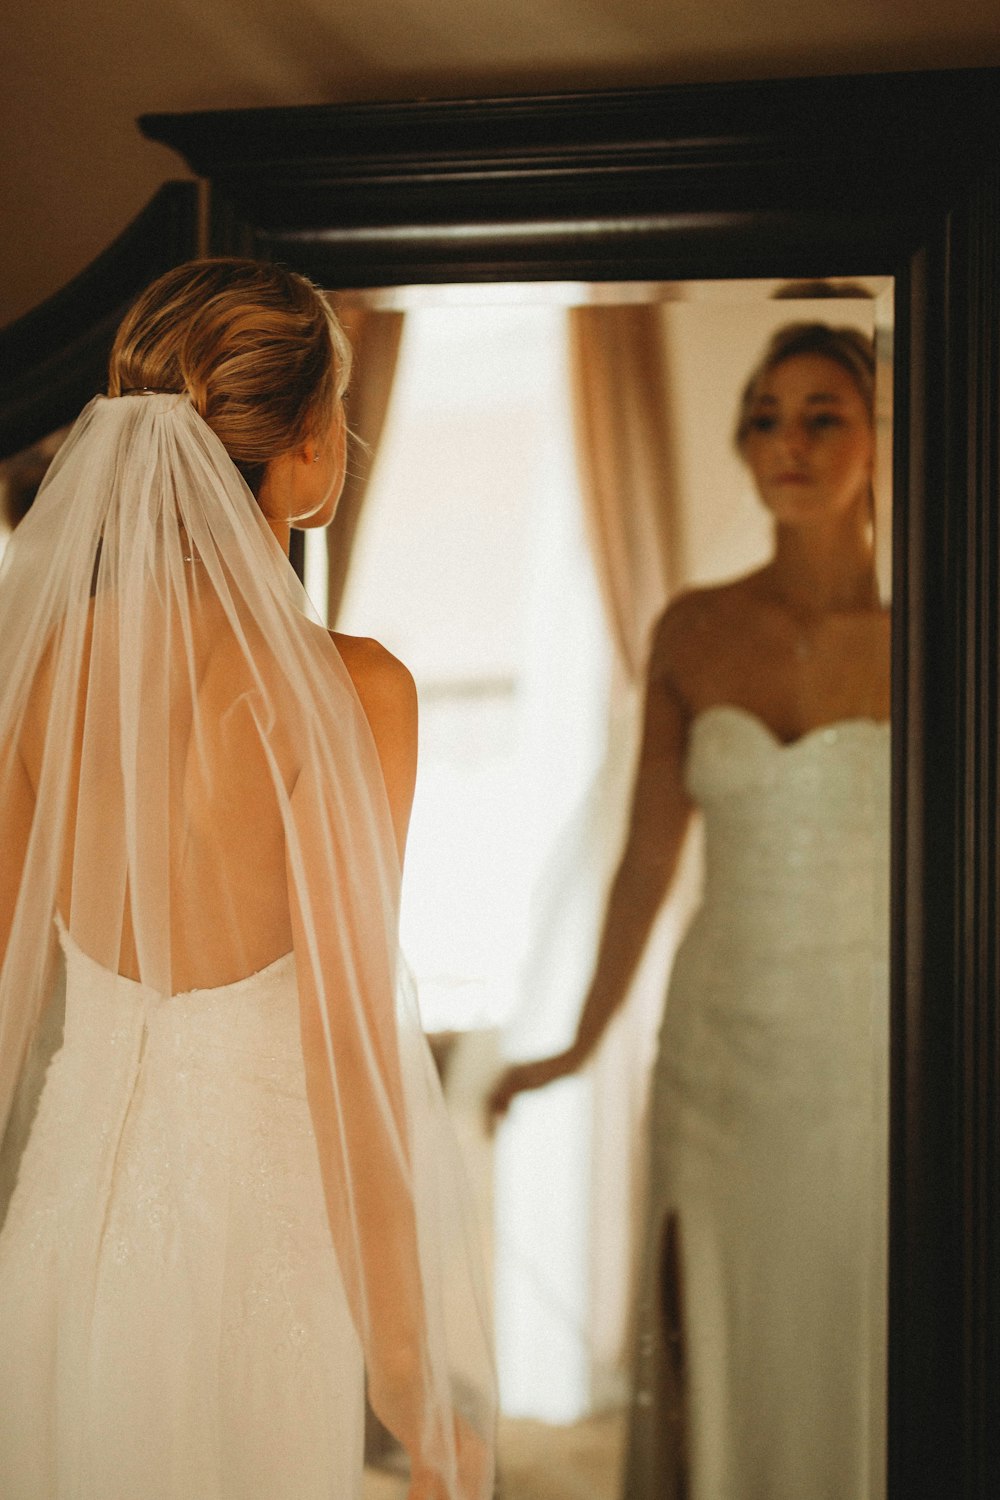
x=219 y=815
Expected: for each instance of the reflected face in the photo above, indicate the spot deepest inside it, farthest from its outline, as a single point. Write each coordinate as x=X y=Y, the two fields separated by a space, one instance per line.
x=810 y=444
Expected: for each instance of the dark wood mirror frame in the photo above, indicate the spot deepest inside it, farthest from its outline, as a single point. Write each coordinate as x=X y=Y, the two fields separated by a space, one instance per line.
x=894 y=175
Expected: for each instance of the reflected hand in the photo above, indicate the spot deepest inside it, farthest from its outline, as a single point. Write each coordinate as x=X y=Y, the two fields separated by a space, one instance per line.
x=524 y=1076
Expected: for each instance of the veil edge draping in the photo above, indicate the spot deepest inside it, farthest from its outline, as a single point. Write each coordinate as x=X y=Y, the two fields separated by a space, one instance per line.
x=188 y=780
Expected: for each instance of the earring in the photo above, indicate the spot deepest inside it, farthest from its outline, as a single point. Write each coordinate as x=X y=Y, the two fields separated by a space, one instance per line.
x=315 y=458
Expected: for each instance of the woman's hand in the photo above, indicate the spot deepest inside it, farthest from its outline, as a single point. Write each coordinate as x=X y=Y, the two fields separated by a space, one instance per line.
x=524 y=1076
x=474 y=1478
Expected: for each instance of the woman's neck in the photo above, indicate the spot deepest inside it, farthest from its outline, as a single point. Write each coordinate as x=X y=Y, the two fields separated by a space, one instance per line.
x=823 y=569
x=282 y=531
x=273 y=513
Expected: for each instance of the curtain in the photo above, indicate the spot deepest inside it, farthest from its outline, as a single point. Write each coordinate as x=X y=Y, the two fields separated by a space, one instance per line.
x=626 y=464
x=628 y=471
x=570 y=1280
x=375 y=338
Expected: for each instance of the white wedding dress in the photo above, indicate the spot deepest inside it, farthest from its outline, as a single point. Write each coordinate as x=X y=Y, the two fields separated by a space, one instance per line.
x=172 y=1318
x=240 y=1202
x=769 y=1132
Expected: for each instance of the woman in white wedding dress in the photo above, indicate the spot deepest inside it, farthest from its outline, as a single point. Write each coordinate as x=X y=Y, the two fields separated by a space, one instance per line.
x=760 y=1365
x=239 y=1200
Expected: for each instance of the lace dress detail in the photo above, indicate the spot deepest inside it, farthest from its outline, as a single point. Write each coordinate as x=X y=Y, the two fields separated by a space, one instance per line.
x=171 y=1309
x=768 y=1144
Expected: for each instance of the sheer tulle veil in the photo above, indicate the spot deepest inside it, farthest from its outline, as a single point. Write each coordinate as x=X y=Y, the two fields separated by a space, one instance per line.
x=189 y=784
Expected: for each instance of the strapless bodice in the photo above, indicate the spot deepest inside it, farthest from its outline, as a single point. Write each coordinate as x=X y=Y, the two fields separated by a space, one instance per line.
x=172 y=1289
x=768 y=1121
x=796 y=835
x=200 y=1057
x=252 y=1017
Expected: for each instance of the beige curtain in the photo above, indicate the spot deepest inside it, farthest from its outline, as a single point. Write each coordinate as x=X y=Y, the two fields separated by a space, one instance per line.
x=375 y=338
x=634 y=514
x=625 y=457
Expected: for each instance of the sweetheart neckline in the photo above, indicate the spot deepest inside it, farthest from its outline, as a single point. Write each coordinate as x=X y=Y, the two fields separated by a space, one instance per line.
x=863 y=721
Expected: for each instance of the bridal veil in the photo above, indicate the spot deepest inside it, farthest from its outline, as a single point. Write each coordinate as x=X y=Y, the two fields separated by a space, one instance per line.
x=189 y=785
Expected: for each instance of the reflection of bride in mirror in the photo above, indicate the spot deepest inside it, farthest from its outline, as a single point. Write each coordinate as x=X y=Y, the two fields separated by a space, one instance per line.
x=760 y=1361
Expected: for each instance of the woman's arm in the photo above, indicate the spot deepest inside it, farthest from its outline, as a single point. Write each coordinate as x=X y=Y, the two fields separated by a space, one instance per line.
x=658 y=822
x=389 y=698
x=354 y=1085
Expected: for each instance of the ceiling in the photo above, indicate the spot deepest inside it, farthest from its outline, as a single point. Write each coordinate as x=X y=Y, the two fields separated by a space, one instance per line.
x=76 y=169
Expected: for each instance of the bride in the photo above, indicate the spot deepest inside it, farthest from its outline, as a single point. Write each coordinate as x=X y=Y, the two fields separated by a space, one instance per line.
x=239 y=1198
x=760 y=1370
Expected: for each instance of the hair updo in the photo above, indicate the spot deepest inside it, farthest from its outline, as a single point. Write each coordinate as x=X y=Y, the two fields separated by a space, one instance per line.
x=257 y=349
x=846 y=346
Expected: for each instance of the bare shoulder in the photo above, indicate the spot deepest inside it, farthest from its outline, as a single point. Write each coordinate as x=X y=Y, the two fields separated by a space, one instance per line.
x=372 y=665
x=388 y=696
x=382 y=682
x=690 y=627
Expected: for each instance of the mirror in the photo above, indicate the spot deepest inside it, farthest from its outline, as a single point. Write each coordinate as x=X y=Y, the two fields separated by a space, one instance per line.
x=475 y=560
x=20 y=476
x=738 y=181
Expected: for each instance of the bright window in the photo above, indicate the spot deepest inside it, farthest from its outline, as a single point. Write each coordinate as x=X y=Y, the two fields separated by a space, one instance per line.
x=472 y=566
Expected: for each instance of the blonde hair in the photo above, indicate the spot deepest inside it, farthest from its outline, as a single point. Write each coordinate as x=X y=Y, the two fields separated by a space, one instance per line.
x=846 y=346
x=257 y=349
